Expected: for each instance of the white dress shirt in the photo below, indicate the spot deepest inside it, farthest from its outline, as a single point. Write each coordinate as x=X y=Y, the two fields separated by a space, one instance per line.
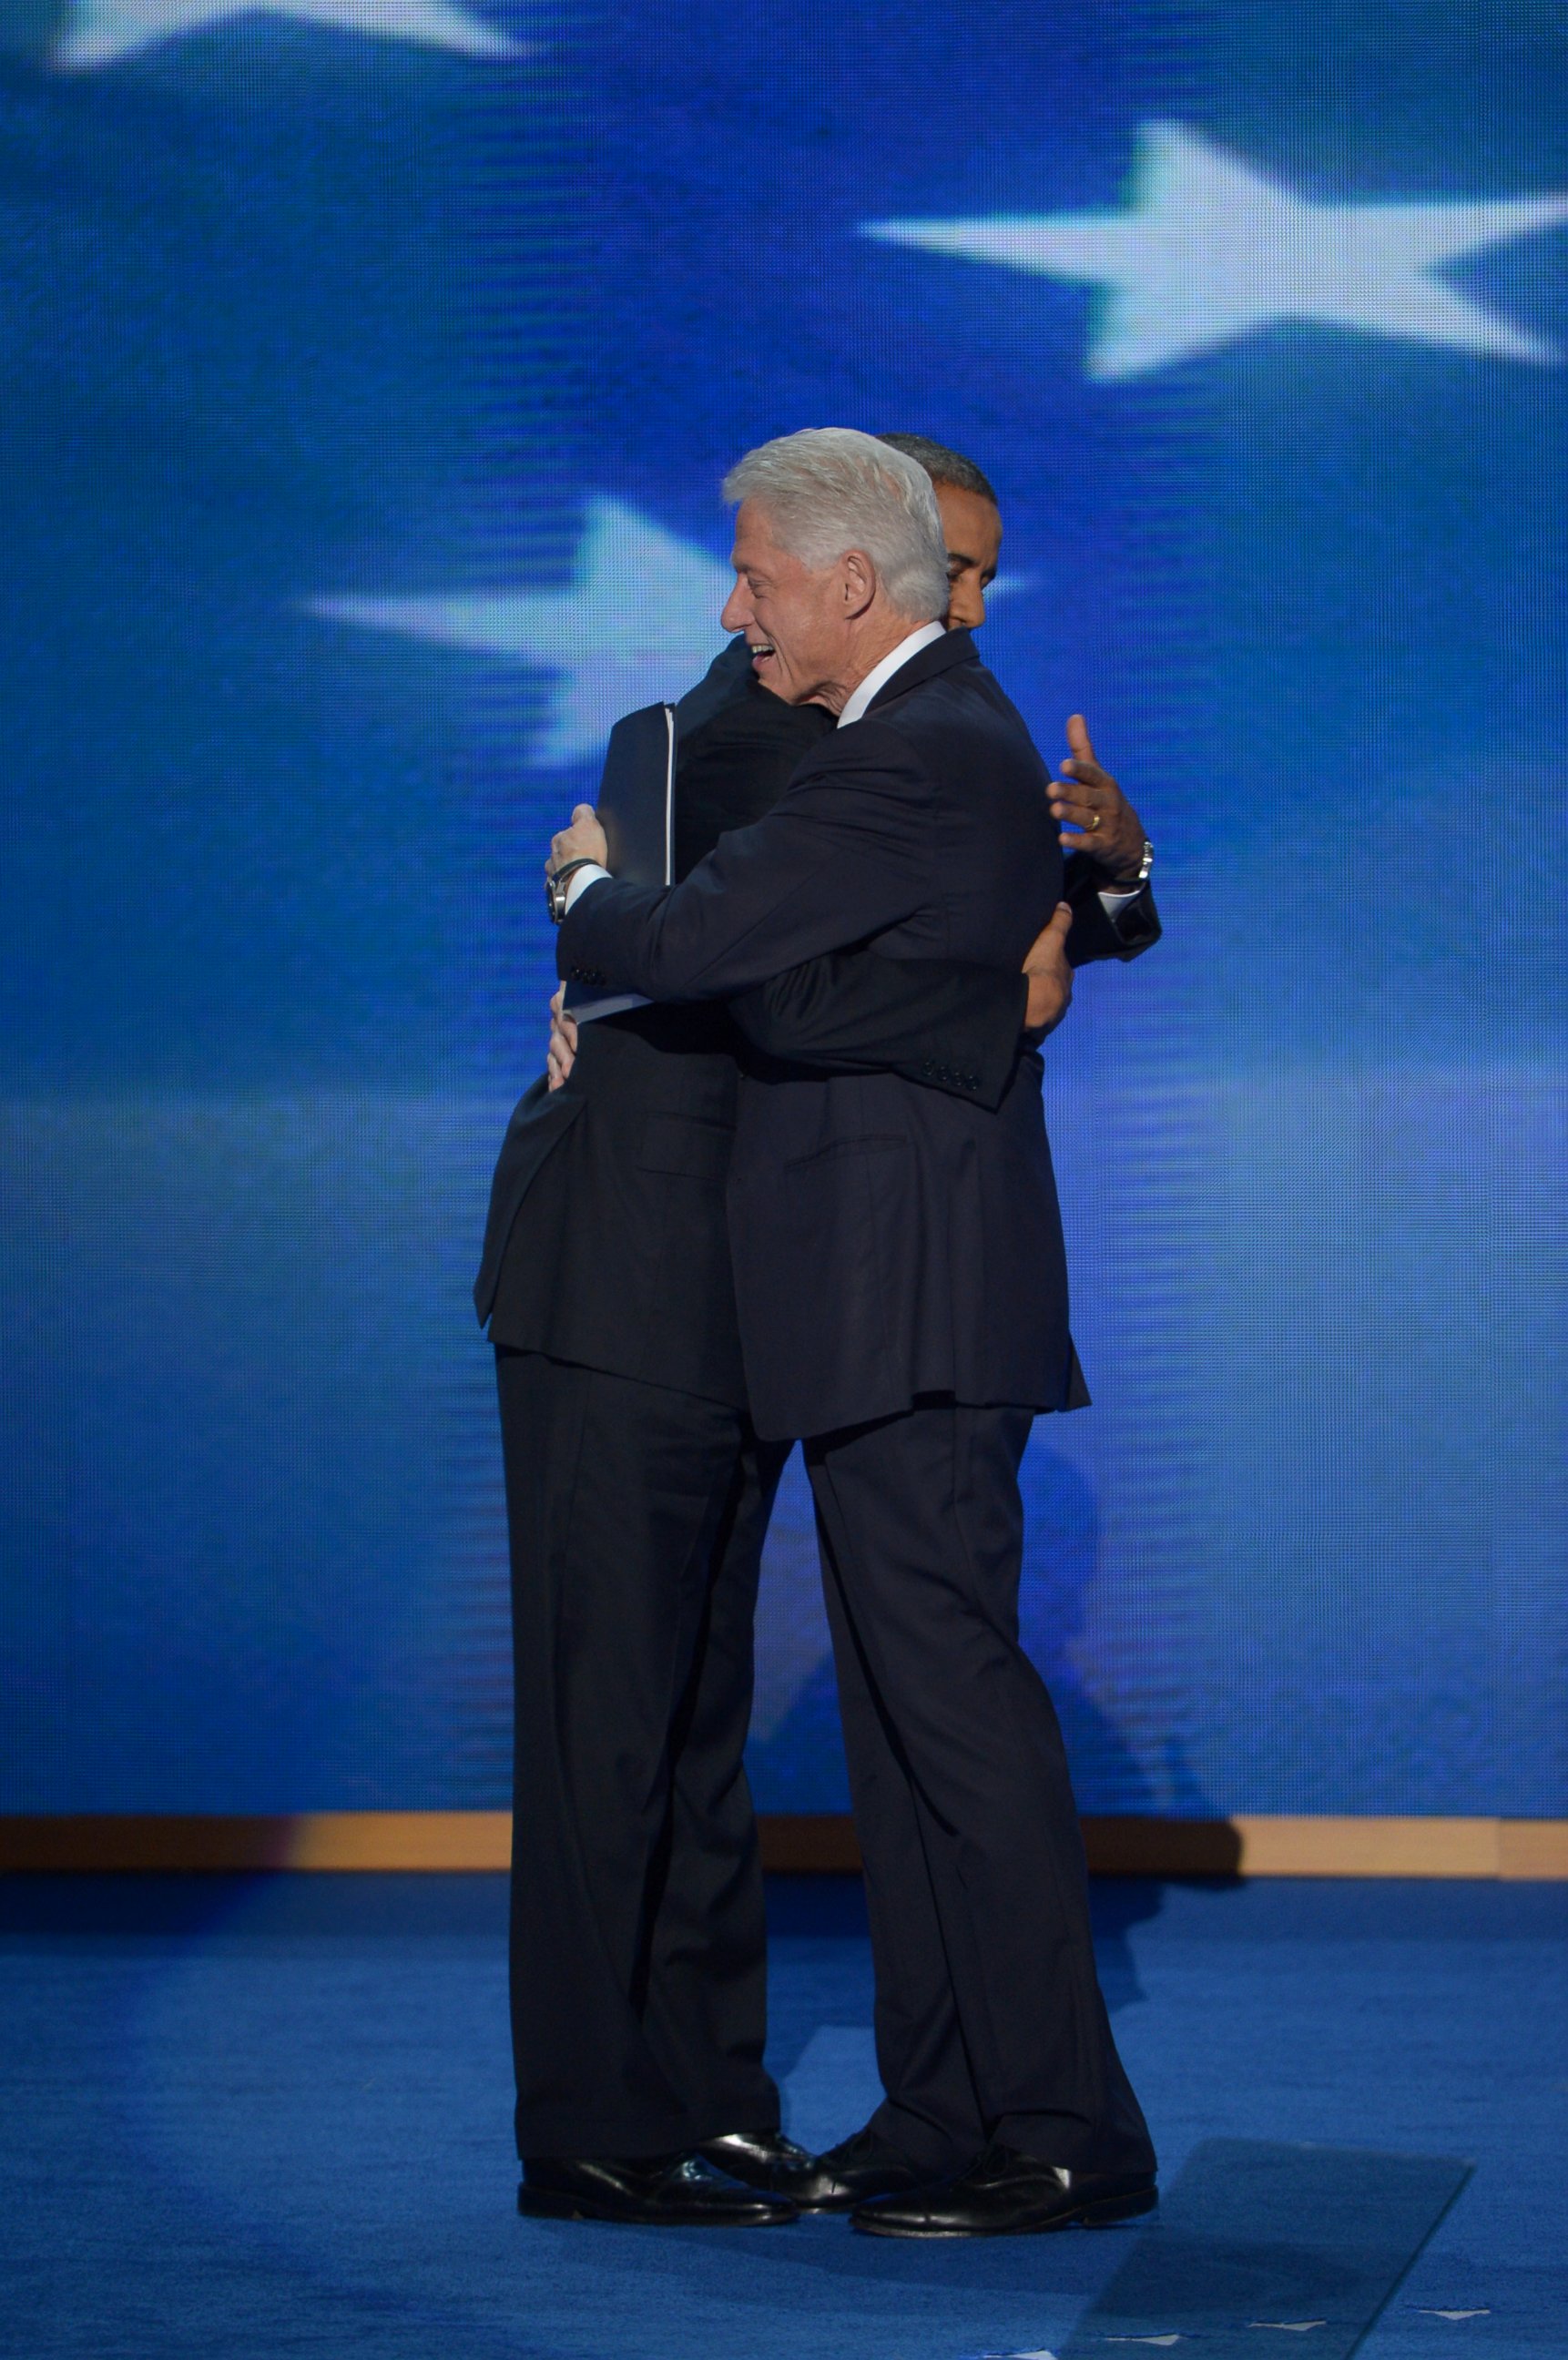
x=880 y=675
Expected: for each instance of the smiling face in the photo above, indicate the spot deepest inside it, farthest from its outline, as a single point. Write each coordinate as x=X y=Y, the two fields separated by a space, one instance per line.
x=972 y=529
x=799 y=622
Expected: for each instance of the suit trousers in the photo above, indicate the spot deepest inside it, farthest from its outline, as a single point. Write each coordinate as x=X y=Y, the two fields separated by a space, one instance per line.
x=989 y=2021
x=636 y=1516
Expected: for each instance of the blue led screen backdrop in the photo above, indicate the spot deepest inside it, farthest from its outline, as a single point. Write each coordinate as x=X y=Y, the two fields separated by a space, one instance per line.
x=371 y=370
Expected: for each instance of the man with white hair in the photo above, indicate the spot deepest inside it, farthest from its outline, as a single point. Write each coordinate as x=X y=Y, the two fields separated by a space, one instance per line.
x=901 y=1284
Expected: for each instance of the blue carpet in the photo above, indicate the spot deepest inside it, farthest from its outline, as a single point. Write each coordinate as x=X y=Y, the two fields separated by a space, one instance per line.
x=1258 y=2238
x=265 y=2117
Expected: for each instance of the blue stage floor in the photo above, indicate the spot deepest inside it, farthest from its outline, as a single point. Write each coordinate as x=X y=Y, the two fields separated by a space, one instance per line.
x=252 y=2118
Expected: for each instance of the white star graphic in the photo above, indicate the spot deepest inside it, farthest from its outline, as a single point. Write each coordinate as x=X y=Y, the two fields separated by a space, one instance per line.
x=103 y=30
x=1210 y=249
x=639 y=622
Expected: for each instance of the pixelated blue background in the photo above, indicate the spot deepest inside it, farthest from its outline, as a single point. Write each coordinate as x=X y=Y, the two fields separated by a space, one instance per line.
x=299 y=324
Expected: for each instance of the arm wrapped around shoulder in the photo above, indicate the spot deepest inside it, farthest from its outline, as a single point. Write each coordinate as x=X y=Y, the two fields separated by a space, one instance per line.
x=844 y=855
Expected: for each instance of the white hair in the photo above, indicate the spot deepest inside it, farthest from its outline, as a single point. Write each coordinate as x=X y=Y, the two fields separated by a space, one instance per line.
x=829 y=489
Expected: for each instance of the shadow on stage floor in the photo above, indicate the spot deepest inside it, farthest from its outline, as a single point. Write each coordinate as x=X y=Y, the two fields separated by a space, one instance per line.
x=255 y=2116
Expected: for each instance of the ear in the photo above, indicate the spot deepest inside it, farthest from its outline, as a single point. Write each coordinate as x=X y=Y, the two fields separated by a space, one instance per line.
x=857 y=583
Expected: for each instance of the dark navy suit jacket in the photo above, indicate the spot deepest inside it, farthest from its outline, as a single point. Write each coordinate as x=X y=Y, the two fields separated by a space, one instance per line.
x=605 y=1243
x=889 y=1240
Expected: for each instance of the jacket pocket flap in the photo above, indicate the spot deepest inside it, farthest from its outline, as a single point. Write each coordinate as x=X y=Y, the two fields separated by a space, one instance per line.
x=874 y=1143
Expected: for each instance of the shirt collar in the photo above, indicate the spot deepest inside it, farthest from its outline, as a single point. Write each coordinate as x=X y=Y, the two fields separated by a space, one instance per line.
x=880 y=675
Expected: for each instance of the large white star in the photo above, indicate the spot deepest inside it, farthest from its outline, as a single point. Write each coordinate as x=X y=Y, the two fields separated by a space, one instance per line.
x=102 y=30
x=1209 y=250
x=638 y=622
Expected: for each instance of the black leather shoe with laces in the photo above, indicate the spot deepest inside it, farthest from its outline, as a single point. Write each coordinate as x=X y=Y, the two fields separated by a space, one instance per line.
x=673 y=2189
x=858 y=2168
x=763 y=2159
x=1007 y=2194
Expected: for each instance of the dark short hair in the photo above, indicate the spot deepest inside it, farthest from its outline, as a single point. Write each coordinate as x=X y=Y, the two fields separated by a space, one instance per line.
x=943 y=466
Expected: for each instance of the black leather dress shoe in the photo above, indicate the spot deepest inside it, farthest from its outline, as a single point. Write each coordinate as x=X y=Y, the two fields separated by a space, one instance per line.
x=763 y=2159
x=1006 y=2194
x=858 y=2168
x=678 y=2189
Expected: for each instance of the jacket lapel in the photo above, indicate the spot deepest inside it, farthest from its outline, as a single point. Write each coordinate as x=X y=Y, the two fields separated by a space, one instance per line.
x=952 y=649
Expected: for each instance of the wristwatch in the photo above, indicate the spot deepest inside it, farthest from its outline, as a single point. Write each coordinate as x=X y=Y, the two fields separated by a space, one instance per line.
x=1135 y=884
x=555 y=887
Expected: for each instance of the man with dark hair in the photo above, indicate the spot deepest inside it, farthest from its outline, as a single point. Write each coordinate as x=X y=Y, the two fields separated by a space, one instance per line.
x=944 y=466
x=1102 y=825
x=971 y=523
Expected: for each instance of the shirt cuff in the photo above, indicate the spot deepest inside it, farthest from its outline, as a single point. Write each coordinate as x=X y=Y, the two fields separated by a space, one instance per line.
x=1112 y=903
x=578 y=884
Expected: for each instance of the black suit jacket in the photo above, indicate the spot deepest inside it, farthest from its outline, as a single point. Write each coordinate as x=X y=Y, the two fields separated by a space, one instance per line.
x=889 y=1240
x=606 y=1242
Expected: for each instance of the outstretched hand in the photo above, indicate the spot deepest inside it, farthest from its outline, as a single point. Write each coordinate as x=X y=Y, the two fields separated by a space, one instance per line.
x=1050 y=976
x=1096 y=816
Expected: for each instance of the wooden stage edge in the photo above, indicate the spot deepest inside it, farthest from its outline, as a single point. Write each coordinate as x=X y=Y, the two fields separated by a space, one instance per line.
x=438 y=1841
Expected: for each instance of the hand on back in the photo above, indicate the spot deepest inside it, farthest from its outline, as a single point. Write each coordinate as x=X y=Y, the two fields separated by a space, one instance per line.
x=561 y=1054
x=1050 y=976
